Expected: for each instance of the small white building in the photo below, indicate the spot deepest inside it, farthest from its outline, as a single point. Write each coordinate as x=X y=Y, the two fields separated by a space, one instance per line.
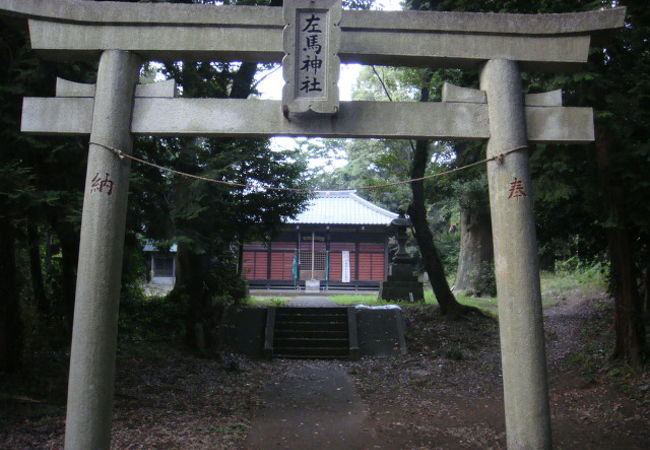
x=161 y=265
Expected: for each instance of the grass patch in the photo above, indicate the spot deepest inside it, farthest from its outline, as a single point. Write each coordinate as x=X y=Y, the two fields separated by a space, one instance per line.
x=569 y=276
x=356 y=299
x=267 y=301
x=487 y=304
x=573 y=274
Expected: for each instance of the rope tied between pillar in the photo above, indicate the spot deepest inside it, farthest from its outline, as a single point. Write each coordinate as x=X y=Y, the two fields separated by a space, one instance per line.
x=122 y=155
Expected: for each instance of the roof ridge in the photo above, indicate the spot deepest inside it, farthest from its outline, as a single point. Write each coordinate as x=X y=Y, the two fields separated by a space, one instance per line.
x=371 y=205
x=335 y=193
x=342 y=207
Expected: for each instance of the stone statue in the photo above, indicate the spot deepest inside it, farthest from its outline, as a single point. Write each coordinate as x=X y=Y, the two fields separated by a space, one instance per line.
x=401 y=284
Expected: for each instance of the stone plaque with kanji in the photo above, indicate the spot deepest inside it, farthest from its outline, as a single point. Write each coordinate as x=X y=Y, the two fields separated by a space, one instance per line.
x=311 y=64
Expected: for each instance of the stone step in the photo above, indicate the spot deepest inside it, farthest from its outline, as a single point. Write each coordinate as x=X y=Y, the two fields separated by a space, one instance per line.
x=309 y=326
x=311 y=343
x=310 y=333
x=309 y=357
x=340 y=310
x=311 y=352
x=310 y=317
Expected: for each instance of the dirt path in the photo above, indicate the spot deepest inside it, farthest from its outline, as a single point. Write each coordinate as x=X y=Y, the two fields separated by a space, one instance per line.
x=598 y=408
x=447 y=392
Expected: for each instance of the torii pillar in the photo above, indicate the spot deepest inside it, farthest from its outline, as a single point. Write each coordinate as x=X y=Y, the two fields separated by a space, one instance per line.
x=99 y=271
x=525 y=387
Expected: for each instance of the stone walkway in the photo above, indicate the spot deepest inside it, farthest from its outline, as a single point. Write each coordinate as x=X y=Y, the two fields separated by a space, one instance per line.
x=311 y=301
x=315 y=407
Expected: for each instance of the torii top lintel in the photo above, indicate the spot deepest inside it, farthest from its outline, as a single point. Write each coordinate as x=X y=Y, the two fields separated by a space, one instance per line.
x=67 y=29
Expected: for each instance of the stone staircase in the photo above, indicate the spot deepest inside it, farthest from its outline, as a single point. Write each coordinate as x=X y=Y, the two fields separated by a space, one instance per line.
x=311 y=333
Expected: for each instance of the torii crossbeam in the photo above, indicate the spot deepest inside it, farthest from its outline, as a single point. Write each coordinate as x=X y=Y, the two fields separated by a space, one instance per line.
x=122 y=35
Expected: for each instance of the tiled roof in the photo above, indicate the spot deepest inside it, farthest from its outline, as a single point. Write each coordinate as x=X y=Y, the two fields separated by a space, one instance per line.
x=150 y=246
x=342 y=208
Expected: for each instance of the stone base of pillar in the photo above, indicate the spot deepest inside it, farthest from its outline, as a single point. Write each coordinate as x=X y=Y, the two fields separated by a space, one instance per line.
x=401 y=285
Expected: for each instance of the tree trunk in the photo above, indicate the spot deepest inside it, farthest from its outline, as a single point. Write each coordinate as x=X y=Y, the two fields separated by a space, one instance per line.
x=36 y=269
x=196 y=282
x=70 y=253
x=476 y=259
x=11 y=330
x=475 y=273
x=628 y=323
x=424 y=237
x=646 y=290
x=242 y=84
x=418 y=214
x=192 y=288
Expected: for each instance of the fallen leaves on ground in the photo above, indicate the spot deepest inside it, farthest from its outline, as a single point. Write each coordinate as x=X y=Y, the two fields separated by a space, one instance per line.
x=445 y=393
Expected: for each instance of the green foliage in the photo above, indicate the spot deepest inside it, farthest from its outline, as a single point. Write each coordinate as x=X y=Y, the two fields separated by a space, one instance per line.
x=381 y=161
x=448 y=245
x=206 y=217
x=134 y=268
x=149 y=321
x=567 y=203
x=41 y=184
x=472 y=193
x=208 y=220
x=358 y=4
x=575 y=274
x=483 y=280
x=568 y=187
x=40 y=196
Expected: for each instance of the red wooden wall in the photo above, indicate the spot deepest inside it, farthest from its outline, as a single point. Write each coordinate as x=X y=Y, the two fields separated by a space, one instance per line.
x=370 y=260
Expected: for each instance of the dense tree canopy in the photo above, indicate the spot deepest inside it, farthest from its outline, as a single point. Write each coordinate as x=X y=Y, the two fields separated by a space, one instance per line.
x=40 y=197
x=41 y=187
x=210 y=220
x=591 y=198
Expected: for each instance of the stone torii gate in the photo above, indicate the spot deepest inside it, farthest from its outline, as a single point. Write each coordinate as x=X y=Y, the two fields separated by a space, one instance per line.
x=123 y=35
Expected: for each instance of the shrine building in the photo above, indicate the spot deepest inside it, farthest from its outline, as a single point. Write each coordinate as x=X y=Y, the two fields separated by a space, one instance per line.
x=340 y=241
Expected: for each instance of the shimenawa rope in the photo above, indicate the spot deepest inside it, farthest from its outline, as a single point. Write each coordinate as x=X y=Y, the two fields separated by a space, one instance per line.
x=122 y=155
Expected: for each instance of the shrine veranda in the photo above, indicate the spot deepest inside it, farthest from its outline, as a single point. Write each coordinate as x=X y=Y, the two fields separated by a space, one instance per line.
x=310 y=38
